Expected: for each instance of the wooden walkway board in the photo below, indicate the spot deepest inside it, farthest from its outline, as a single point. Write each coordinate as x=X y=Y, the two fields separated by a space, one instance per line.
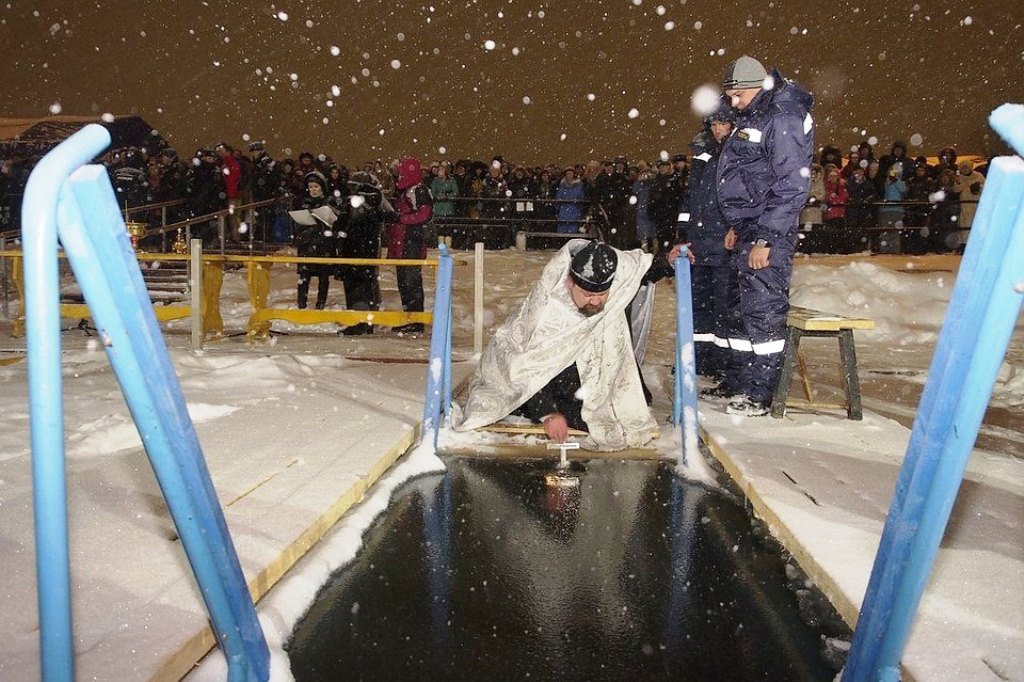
x=814 y=320
x=508 y=449
x=509 y=443
x=523 y=429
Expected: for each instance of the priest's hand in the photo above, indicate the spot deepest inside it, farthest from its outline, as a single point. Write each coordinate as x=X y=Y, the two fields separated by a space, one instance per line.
x=556 y=428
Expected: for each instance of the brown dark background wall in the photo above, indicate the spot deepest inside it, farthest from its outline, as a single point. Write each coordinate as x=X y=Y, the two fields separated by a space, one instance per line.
x=558 y=85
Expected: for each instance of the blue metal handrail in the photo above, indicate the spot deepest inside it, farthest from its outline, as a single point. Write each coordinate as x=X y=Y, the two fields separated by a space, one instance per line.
x=438 y=392
x=108 y=273
x=982 y=312
x=684 y=402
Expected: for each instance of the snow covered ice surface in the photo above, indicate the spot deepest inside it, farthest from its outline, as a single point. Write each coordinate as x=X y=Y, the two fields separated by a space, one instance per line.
x=288 y=422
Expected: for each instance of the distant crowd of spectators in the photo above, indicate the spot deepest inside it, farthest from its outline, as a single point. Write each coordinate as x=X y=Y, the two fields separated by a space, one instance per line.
x=927 y=207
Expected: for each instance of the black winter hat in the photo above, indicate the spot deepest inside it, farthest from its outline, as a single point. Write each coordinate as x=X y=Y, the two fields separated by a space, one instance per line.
x=723 y=112
x=593 y=267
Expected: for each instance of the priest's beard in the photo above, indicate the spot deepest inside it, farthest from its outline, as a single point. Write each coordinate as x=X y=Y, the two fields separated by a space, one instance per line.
x=591 y=309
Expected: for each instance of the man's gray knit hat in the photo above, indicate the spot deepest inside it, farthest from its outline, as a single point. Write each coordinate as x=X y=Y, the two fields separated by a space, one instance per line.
x=746 y=72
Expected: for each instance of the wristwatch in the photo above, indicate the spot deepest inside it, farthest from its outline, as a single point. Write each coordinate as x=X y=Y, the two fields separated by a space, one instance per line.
x=763 y=243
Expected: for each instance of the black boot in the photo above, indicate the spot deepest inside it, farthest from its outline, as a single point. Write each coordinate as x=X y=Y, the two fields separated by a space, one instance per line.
x=411 y=328
x=357 y=329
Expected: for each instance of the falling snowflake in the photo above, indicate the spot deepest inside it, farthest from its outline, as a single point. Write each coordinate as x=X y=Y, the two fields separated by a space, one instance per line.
x=335 y=50
x=395 y=64
x=633 y=113
x=489 y=45
x=283 y=16
x=704 y=99
x=56 y=108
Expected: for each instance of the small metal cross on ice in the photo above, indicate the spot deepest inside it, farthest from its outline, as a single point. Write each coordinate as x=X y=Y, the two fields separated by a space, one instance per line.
x=563 y=460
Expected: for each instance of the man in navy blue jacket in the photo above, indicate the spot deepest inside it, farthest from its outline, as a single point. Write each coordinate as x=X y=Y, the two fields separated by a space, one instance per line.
x=705 y=228
x=763 y=183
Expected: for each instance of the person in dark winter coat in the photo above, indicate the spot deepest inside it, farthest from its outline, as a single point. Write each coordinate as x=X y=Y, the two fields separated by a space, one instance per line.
x=663 y=207
x=859 y=210
x=919 y=190
x=611 y=190
x=763 y=183
x=497 y=235
x=830 y=154
x=706 y=228
x=942 y=230
x=315 y=241
x=896 y=158
x=947 y=161
x=364 y=213
x=129 y=179
x=205 y=192
x=407 y=237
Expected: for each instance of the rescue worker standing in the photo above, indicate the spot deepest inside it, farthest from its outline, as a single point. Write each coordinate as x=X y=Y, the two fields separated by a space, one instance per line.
x=705 y=227
x=763 y=183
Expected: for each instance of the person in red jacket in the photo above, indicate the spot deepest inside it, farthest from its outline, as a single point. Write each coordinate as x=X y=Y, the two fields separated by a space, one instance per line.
x=836 y=198
x=232 y=183
x=406 y=238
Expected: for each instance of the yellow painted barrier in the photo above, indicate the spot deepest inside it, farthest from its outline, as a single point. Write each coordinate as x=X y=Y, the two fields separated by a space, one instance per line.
x=258 y=277
x=213 y=276
x=258 y=280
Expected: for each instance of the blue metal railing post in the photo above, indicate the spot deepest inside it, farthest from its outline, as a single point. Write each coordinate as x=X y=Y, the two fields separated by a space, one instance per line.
x=45 y=391
x=108 y=273
x=446 y=403
x=983 y=310
x=440 y=345
x=684 y=403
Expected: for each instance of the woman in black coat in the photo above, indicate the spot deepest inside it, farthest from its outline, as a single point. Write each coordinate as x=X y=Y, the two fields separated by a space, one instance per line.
x=363 y=216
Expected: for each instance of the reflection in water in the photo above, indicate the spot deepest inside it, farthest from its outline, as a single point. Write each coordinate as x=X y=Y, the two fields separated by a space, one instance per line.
x=487 y=573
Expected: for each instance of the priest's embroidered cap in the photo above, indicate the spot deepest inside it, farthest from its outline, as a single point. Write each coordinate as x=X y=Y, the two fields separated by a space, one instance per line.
x=593 y=267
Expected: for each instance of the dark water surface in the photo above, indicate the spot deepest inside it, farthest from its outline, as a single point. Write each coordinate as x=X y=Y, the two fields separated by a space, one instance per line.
x=489 y=574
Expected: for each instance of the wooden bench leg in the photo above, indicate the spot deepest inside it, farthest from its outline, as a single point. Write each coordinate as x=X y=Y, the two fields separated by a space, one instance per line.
x=851 y=382
x=793 y=336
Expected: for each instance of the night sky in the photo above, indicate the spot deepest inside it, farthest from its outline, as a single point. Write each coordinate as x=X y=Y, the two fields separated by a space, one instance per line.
x=535 y=81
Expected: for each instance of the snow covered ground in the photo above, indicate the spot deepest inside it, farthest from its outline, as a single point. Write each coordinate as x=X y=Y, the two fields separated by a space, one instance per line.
x=299 y=417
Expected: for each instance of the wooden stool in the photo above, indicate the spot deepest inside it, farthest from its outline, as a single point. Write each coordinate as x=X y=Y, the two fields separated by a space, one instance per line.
x=803 y=322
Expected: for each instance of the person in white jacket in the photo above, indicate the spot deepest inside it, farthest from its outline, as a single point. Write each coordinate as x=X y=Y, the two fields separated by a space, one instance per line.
x=969 y=183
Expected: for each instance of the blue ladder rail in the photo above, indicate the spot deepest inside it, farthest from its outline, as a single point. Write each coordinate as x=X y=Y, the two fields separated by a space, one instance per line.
x=111 y=282
x=438 y=396
x=979 y=322
x=684 y=402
